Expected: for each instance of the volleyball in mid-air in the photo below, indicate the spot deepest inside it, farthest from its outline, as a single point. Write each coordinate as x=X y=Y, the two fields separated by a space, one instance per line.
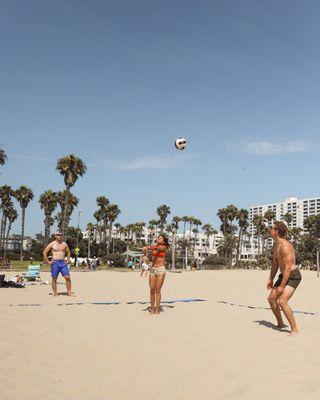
x=180 y=143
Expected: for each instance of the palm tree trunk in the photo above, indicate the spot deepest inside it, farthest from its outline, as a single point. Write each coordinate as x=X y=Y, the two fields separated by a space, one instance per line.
x=109 y=238
x=239 y=247
x=2 y=234
x=7 y=240
x=47 y=227
x=22 y=232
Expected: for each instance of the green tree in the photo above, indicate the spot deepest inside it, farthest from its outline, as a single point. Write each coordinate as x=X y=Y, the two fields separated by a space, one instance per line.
x=112 y=213
x=185 y=219
x=209 y=231
x=243 y=222
x=12 y=215
x=48 y=202
x=23 y=195
x=6 y=193
x=71 y=168
x=68 y=202
x=3 y=156
x=163 y=211
x=103 y=202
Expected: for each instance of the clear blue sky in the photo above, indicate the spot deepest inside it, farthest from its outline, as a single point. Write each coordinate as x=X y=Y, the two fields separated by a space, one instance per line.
x=115 y=82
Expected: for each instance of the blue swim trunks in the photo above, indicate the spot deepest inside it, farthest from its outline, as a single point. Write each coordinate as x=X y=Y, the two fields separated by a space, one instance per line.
x=59 y=266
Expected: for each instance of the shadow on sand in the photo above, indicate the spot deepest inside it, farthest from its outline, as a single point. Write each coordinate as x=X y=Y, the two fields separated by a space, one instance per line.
x=148 y=309
x=270 y=325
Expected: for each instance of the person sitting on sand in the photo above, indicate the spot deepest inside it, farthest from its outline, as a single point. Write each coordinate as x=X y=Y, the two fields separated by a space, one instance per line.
x=157 y=271
x=284 y=258
x=59 y=251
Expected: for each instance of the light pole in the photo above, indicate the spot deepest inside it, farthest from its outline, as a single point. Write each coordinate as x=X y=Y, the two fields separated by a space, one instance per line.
x=77 y=239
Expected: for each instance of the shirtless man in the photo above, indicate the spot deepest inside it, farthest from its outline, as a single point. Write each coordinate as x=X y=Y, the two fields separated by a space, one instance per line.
x=59 y=251
x=289 y=279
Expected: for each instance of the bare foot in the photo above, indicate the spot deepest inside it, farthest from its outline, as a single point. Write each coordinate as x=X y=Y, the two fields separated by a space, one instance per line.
x=55 y=294
x=71 y=294
x=157 y=311
x=280 y=326
x=292 y=333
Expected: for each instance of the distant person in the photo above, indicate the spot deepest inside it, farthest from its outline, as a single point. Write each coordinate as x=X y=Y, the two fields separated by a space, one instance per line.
x=59 y=251
x=157 y=271
x=289 y=279
x=145 y=265
x=130 y=264
x=94 y=264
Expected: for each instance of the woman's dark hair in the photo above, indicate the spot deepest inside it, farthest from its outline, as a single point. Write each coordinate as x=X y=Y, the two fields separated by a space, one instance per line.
x=165 y=239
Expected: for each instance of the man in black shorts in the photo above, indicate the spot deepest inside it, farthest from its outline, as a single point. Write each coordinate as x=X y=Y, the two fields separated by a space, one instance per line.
x=284 y=258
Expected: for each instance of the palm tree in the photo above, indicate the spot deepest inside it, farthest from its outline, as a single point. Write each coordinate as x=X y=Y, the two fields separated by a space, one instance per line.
x=243 y=222
x=90 y=230
x=70 y=167
x=12 y=215
x=6 y=193
x=3 y=156
x=153 y=225
x=287 y=218
x=227 y=246
x=68 y=202
x=103 y=203
x=23 y=195
x=163 y=211
x=209 y=231
x=48 y=201
x=117 y=226
x=197 y=222
x=185 y=220
x=222 y=214
x=258 y=231
x=112 y=212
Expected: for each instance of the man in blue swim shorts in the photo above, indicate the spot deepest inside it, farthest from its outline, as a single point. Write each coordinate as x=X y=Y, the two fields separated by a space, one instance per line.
x=59 y=250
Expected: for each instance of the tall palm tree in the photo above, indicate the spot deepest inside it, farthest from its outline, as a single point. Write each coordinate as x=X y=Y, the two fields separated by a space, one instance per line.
x=112 y=212
x=23 y=195
x=6 y=193
x=70 y=167
x=287 y=218
x=3 y=156
x=163 y=211
x=197 y=223
x=90 y=230
x=185 y=219
x=258 y=230
x=103 y=203
x=12 y=215
x=227 y=246
x=243 y=222
x=117 y=226
x=68 y=202
x=209 y=231
x=48 y=202
x=191 y=222
x=153 y=225
x=222 y=214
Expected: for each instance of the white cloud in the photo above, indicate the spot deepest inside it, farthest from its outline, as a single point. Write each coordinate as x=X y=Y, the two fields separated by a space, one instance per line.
x=266 y=148
x=32 y=158
x=152 y=162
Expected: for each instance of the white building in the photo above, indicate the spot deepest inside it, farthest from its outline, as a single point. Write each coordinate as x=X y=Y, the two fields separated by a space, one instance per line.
x=299 y=209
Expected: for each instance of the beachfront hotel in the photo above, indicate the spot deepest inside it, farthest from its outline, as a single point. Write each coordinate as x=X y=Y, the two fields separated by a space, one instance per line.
x=299 y=209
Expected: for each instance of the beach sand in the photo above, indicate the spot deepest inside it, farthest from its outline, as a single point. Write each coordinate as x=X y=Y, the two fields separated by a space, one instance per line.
x=201 y=350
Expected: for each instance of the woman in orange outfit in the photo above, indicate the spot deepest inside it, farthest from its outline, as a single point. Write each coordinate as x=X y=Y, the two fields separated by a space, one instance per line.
x=157 y=271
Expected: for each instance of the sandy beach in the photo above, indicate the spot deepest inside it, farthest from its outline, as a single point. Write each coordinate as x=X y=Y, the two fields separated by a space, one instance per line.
x=198 y=350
